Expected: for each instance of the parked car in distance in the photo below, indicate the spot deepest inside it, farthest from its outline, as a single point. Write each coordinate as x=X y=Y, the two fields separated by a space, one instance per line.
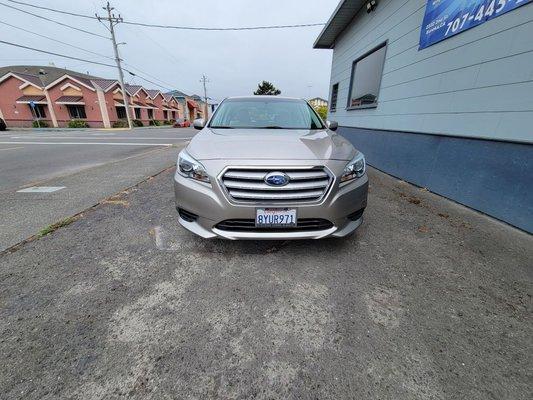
x=181 y=123
x=3 y=126
x=267 y=167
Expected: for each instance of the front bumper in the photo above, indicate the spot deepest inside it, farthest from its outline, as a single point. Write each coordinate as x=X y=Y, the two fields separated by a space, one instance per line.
x=210 y=205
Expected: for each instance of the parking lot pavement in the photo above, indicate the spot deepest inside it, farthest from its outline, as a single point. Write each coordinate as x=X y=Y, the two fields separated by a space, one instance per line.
x=429 y=300
x=82 y=166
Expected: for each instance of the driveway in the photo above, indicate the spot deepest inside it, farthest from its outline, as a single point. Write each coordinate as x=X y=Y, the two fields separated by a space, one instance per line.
x=429 y=300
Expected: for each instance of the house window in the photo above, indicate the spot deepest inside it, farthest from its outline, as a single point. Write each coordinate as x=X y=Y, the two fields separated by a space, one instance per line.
x=76 y=112
x=334 y=94
x=366 y=78
x=38 y=111
x=121 y=112
x=150 y=113
x=174 y=115
x=137 y=113
x=165 y=114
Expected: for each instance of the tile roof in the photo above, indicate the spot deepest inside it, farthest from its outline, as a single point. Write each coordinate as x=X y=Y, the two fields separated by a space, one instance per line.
x=132 y=89
x=30 y=78
x=69 y=99
x=140 y=104
x=104 y=84
x=152 y=92
x=82 y=79
x=27 y=99
x=44 y=74
x=318 y=98
x=192 y=103
x=177 y=93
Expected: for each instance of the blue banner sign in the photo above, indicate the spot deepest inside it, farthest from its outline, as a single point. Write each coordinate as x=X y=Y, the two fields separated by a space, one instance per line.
x=446 y=18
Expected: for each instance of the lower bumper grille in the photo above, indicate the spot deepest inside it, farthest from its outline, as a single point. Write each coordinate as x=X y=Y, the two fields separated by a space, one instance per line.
x=248 y=225
x=356 y=215
x=187 y=215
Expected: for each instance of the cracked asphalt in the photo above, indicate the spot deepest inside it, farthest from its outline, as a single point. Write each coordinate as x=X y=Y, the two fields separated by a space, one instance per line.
x=429 y=300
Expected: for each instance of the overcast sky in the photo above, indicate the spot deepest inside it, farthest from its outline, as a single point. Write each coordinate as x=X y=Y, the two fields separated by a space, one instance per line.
x=234 y=61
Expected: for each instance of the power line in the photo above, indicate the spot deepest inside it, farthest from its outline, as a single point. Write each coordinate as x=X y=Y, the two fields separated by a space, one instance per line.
x=56 y=54
x=55 y=40
x=54 y=21
x=167 y=86
x=51 y=9
x=86 y=61
x=191 y=28
x=246 y=28
x=147 y=80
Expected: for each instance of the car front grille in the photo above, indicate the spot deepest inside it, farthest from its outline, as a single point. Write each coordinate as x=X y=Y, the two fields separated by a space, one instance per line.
x=248 y=225
x=248 y=185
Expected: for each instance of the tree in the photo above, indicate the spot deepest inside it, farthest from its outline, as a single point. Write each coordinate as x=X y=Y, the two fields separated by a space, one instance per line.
x=267 y=88
x=322 y=111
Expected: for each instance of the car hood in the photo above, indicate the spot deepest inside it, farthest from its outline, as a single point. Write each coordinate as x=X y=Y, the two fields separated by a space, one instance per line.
x=275 y=144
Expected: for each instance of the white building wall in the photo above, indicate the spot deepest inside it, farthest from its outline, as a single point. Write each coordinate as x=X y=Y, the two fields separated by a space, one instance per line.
x=478 y=83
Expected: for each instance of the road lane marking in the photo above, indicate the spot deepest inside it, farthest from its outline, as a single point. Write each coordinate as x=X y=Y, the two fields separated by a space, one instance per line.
x=52 y=178
x=96 y=144
x=41 y=189
x=12 y=148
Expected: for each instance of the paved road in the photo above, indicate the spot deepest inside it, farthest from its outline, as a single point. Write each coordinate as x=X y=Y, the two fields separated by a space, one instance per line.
x=429 y=300
x=90 y=164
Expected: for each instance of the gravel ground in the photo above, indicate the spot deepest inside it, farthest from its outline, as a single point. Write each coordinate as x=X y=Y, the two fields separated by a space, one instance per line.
x=429 y=300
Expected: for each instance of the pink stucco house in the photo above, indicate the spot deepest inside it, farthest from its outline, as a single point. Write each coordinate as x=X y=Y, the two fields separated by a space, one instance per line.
x=54 y=96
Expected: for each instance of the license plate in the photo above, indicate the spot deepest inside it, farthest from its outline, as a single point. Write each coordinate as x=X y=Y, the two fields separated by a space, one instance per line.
x=275 y=217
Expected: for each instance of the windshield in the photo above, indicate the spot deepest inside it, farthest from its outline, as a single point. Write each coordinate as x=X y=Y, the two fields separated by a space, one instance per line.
x=265 y=114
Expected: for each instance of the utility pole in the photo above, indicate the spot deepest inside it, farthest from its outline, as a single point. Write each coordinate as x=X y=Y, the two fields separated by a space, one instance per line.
x=112 y=22
x=204 y=80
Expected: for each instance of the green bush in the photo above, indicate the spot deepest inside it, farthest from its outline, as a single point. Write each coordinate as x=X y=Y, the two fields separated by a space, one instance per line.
x=137 y=122
x=78 y=123
x=165 y=122
x=155 y=122
x=121 y=123
x=40 y=124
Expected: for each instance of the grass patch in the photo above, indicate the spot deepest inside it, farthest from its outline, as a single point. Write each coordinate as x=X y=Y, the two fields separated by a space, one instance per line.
x=52 y=228
x=117 y=202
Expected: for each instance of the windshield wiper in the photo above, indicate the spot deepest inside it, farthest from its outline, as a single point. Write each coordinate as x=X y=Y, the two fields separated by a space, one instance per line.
x=273 y=127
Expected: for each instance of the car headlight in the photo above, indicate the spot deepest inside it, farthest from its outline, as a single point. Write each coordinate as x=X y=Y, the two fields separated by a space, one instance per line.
x=190 y=168
x=354 y=169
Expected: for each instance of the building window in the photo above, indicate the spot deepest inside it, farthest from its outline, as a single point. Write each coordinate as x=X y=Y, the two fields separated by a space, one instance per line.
x=38 y=111
x=366 y=78
x=173 y=115
x=121 y=112
x=150 y=113
x=165 y=114
x=76 y=112
x=334 y=94
x=137 y=113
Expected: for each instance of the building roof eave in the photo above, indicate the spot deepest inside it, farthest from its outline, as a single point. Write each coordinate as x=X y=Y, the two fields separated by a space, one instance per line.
x=339 y=20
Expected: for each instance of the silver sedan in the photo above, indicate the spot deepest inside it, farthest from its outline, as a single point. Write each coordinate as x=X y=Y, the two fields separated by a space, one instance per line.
x=267 y=167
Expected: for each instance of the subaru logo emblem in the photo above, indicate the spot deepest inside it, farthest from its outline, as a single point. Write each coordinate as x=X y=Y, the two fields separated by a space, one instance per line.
x=277 y=179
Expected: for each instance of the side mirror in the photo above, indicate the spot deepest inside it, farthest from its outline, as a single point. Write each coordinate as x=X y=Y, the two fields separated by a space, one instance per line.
x=199 y=123
x=332 y=125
